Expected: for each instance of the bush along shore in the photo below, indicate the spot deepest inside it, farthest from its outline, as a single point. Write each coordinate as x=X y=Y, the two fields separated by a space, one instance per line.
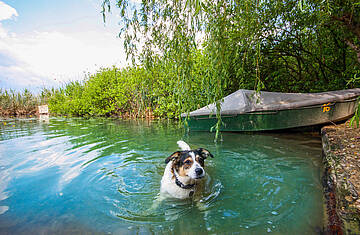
x=140 y=91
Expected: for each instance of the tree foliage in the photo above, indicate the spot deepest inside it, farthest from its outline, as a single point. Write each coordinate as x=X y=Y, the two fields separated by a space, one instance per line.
x=271 y=44
x=133 y=92
x=188 y=53
x=289 y=46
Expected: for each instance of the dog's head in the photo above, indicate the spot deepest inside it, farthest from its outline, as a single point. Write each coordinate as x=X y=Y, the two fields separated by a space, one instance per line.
x=189 y=162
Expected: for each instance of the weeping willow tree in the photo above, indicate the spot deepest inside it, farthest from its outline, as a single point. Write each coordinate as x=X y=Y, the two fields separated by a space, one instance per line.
x=302 y=46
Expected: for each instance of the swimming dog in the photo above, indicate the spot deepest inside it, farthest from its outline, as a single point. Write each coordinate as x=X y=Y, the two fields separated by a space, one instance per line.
x=184 y=172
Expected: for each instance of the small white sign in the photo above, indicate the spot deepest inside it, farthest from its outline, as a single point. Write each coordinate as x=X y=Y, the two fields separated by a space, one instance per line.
x=43 y=109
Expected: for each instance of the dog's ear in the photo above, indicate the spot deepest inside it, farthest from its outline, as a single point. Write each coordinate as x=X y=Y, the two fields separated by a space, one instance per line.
x=174 y=156
x=204 y=153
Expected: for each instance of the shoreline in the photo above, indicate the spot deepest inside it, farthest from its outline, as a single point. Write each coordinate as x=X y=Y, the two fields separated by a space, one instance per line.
x=341 y=179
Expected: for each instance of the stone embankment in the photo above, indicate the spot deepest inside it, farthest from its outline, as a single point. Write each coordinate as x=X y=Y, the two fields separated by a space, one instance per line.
x=341 y=148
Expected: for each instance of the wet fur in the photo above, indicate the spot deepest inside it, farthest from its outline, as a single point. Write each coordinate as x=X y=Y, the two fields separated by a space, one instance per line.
x=175 y=164
x=186 y=166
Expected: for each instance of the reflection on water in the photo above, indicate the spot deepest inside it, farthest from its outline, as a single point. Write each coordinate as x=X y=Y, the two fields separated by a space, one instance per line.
x=73 y=176
x=44 y=118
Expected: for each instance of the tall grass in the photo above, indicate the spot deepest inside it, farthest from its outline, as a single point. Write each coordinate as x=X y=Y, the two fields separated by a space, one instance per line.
x=13 y=103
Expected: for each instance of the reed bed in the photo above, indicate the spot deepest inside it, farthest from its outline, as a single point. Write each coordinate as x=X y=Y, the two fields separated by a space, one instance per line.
x=20 y=103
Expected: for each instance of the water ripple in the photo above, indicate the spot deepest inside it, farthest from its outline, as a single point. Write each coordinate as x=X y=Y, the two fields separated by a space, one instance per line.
x=104 y=176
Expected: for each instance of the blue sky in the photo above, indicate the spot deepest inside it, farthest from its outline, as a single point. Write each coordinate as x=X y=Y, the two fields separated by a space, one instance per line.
x=47 y=43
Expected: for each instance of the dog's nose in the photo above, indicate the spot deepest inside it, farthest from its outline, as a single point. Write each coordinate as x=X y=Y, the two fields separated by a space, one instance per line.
x=198 y=171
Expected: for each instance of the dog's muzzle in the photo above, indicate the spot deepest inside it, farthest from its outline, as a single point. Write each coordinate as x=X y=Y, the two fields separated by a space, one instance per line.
x=199 y=172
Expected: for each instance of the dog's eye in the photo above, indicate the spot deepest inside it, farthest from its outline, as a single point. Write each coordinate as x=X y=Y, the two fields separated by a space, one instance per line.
x=187 y=162
x=200 y=160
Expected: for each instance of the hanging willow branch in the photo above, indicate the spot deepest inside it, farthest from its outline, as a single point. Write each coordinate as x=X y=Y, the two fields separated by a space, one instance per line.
x=235 y=37
x=174 y=30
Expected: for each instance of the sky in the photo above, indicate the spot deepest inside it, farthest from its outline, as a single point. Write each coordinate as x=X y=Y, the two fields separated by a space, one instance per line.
x=46 y=43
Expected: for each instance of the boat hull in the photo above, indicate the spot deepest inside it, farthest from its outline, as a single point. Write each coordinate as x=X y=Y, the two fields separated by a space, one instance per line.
x=277 y=119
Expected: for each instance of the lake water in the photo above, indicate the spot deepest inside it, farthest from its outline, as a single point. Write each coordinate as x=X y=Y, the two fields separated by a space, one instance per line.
x=77 y=176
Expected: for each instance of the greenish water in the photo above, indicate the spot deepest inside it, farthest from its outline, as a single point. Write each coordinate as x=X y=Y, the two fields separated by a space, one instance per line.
x=77 y=176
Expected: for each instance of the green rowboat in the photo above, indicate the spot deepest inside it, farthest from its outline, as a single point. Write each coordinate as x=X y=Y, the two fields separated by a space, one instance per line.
x=246 y=110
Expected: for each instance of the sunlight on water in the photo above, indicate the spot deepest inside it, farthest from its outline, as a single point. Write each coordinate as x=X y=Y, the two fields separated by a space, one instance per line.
x=77 y=176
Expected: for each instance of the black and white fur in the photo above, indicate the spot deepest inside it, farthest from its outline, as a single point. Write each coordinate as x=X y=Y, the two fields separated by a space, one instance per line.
x=184 y=172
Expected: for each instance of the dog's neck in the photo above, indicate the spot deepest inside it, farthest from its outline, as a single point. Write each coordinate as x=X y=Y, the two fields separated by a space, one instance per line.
x=183 y=186
x=188 y=185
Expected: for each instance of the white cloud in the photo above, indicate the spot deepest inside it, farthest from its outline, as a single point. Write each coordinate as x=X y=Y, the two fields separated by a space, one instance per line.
x=6 y=11
x=47 y=58
x=59 y=54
